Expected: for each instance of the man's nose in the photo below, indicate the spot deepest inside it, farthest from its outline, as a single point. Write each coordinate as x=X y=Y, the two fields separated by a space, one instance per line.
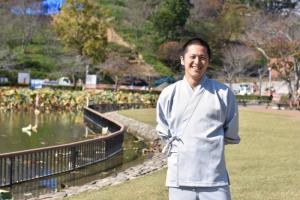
x=196 y=60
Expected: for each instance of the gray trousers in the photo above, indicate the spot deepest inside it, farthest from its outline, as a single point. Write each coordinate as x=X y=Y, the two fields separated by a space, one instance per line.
x=199 y=193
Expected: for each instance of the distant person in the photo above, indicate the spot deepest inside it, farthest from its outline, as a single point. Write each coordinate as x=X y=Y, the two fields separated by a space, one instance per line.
x=197 y=117
x=271 y=96
x=255 y=88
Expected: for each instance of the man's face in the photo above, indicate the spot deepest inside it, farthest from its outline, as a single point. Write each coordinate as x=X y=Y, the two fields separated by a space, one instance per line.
x=195 y=61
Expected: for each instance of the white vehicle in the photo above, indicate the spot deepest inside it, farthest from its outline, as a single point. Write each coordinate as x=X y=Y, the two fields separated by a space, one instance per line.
x=36 y=83
x=245 y=89
x=64 y=81
x=3 y=79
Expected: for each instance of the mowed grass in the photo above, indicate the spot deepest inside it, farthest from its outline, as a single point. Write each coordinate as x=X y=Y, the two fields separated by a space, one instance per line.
x=264 y=166
x=143 y=115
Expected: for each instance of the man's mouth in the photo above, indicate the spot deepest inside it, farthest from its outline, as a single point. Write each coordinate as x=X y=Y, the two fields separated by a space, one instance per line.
x=197 y=68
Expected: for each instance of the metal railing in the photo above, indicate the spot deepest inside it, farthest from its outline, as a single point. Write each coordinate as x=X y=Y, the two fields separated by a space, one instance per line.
x=30 y=164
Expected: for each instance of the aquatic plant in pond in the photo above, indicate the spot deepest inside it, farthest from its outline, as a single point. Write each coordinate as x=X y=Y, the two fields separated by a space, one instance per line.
x=47 y=99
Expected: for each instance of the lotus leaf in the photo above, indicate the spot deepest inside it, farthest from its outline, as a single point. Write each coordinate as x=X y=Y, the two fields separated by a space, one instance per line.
x=24 y=98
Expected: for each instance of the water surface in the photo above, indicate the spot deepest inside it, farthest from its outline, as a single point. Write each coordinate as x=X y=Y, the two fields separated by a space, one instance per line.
x=59 y=128
x=51 y=129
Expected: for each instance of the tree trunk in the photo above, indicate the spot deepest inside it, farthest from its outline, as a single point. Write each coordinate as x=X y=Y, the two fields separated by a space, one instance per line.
x=230 y=84
x=260 y=83
x=74 y=80
x=289 y=82
x=297 y=74
x=116 y=83
x=87 y=70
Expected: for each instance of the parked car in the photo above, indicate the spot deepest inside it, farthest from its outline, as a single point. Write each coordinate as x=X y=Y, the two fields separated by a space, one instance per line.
x=36 y=83
x=64 y=81
x=3 y=80
x=164 y=79
x=242 y=89
x=133 y=81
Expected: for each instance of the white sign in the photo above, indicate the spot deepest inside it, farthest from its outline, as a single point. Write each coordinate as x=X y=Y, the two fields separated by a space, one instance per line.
x=23 y=78
x=91 y=81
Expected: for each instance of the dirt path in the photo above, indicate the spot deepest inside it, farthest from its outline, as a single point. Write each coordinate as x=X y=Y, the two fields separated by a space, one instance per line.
x=290 y=113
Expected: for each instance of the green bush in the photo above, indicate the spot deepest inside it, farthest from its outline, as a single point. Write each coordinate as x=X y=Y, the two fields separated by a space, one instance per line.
x=252 y=98
x=158 y=66
x=284 y=98
x=63 y=87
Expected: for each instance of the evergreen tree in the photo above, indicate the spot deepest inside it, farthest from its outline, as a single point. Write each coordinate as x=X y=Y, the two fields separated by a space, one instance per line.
x=170 y=18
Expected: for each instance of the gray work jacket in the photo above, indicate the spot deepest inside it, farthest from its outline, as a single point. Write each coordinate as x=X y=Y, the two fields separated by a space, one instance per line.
x=196 y=124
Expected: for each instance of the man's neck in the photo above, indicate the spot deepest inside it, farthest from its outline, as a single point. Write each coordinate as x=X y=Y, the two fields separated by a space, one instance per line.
x=192 y=82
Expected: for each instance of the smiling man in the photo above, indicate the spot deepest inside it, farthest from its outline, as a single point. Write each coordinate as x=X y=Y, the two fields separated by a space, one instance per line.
x=196 y=117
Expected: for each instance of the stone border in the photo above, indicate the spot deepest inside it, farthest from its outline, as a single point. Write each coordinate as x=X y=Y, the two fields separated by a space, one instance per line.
x=154 y=162
x=138 y=128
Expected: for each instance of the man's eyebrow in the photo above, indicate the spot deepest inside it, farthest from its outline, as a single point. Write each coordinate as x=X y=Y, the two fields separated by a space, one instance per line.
x=202 y=55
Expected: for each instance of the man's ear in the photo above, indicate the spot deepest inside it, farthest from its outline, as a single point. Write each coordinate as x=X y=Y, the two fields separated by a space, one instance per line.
x=181 y=60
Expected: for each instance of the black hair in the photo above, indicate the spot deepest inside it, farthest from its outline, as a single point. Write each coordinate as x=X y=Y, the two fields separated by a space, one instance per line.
x=196 y=41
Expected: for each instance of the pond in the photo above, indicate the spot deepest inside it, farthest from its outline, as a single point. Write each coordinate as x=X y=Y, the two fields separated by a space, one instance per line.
x=58 y=128
x=46 y=129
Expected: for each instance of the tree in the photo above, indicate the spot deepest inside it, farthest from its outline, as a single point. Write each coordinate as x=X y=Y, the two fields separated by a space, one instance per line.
x=7 y=58
x=278 y=39
x=284 y=66
x=122 y=61
x=170 y=18
x=204 y=9
x=230 y=23
x=116 y=66
x=236 y=59
x=136 y=15
x=225 y=26
x=22 y=38
x=169 y=53
x=82 y=25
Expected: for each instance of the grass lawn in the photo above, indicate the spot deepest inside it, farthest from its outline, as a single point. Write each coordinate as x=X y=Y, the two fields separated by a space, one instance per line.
x=264 y=166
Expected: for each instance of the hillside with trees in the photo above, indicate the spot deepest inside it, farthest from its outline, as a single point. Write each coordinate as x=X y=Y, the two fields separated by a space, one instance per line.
x=247 y=37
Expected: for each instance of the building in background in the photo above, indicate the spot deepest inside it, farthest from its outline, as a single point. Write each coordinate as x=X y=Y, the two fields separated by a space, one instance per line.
x=44 y=7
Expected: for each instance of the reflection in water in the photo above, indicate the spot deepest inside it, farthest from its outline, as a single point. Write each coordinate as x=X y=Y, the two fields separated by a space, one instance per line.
x=25 y=130
x=130 y=156
x=58 y=182
x=29 y=128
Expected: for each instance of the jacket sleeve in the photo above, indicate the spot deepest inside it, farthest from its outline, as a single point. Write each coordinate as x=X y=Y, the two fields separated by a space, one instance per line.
x=162 y=127
x=231 y=126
